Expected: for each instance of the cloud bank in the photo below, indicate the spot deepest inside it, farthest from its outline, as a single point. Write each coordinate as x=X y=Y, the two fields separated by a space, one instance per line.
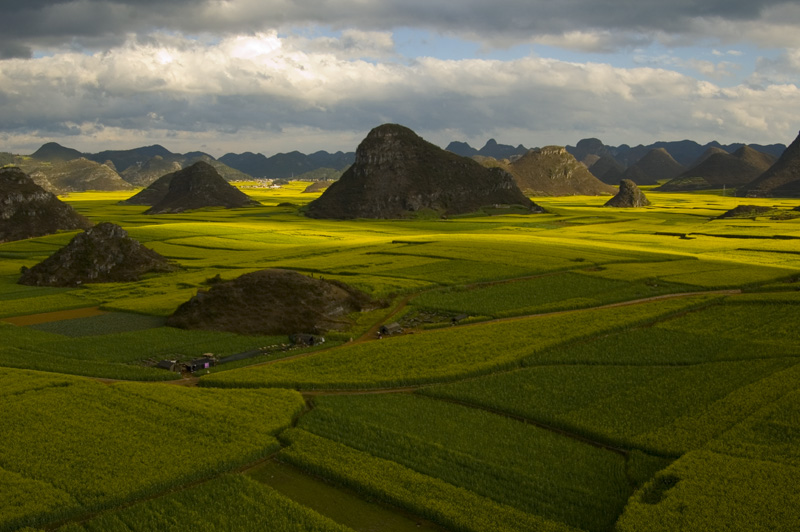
x=237 y=75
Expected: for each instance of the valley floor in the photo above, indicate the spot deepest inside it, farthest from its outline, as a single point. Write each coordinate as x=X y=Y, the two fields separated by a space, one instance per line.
x=587 y=369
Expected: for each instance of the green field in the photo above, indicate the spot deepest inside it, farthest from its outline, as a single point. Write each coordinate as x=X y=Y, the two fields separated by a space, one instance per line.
x=618 y=370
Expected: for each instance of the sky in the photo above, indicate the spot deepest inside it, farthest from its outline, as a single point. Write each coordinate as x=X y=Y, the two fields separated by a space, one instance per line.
x=272 y=76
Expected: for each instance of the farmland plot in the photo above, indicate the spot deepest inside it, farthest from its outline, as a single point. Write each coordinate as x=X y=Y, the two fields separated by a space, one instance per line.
x=515 y=464
x=446 y=354
x=147 y=438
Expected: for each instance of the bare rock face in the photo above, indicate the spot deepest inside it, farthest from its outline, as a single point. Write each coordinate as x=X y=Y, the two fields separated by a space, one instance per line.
x=629 y=195
x=27 y=210
x=780 y=179
x=271 y=302
x=396 y=173
x=105 y=253
x=553 y=171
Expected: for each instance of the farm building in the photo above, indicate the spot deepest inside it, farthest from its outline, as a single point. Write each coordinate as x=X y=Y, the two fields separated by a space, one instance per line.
x=200 y=363
x=390 y=329
x=169 y=365
x=306 y=339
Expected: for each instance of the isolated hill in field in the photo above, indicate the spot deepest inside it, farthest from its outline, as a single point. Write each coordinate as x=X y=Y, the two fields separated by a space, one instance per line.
x=270 y=302
x=722 y=169
x=780 y=179
x=629 y=196
x=143 y=173
x=747 y=211
x=655 y=166
x=104 y=253
x=552 y=171
x=227 y=173
x=27 y=210
x=397 y=173
x=194 y=187
x=607 y=169
x=490 y=149
x=286 y=165
x=154 y=193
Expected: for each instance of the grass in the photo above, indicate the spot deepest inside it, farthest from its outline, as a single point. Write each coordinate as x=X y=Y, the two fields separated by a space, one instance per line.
x=708 y=383
x=439 y=501
x=564 y=480
x=446 y=354
x=163 y=435
x=621 y=405
x=207 y=507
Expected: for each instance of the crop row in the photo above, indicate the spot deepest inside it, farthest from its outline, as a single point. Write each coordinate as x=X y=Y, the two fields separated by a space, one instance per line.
x=709 y=491
x=624 y=405
x=700 y=273
x=456 y=508
x=118 y=356
x=146 y=438
x=542 y=294
x=230 y=502
x=531 y=469
x=447 y=354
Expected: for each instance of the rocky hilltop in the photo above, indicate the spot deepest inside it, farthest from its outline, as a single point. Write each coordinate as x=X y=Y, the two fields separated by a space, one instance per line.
x=104 y=253
x=194 y=187
x=629 y=196
x=553 y=171
x=780 y=179
x=271 y=302
x=397 y=173
x=27 y=210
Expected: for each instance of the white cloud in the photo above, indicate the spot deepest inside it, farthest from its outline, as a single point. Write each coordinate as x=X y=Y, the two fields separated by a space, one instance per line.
x=263 y=90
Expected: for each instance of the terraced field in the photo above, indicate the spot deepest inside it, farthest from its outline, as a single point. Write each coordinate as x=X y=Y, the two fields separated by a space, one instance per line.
x=607 y=370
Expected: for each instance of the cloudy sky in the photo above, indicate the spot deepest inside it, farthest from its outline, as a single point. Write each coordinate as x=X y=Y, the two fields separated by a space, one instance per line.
x=276 y=75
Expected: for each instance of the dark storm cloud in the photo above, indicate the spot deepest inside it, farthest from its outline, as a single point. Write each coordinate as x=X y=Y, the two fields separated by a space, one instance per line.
x=98 y=23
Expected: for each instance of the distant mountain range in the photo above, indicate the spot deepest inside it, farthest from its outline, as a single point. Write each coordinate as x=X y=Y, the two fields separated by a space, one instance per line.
x=685 y=152
x=62 y=169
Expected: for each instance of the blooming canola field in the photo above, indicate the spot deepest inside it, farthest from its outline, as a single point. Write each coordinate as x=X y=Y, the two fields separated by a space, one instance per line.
x=586 y=369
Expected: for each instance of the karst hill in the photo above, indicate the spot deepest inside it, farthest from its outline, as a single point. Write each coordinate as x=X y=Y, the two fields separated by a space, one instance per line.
x=27 y=210
x=194 y=187
x=104 y=253
x=397 y=173
x=629 y=196
x=272 y=301
x=780 y=179
x=553 y=171
x=721 y=169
